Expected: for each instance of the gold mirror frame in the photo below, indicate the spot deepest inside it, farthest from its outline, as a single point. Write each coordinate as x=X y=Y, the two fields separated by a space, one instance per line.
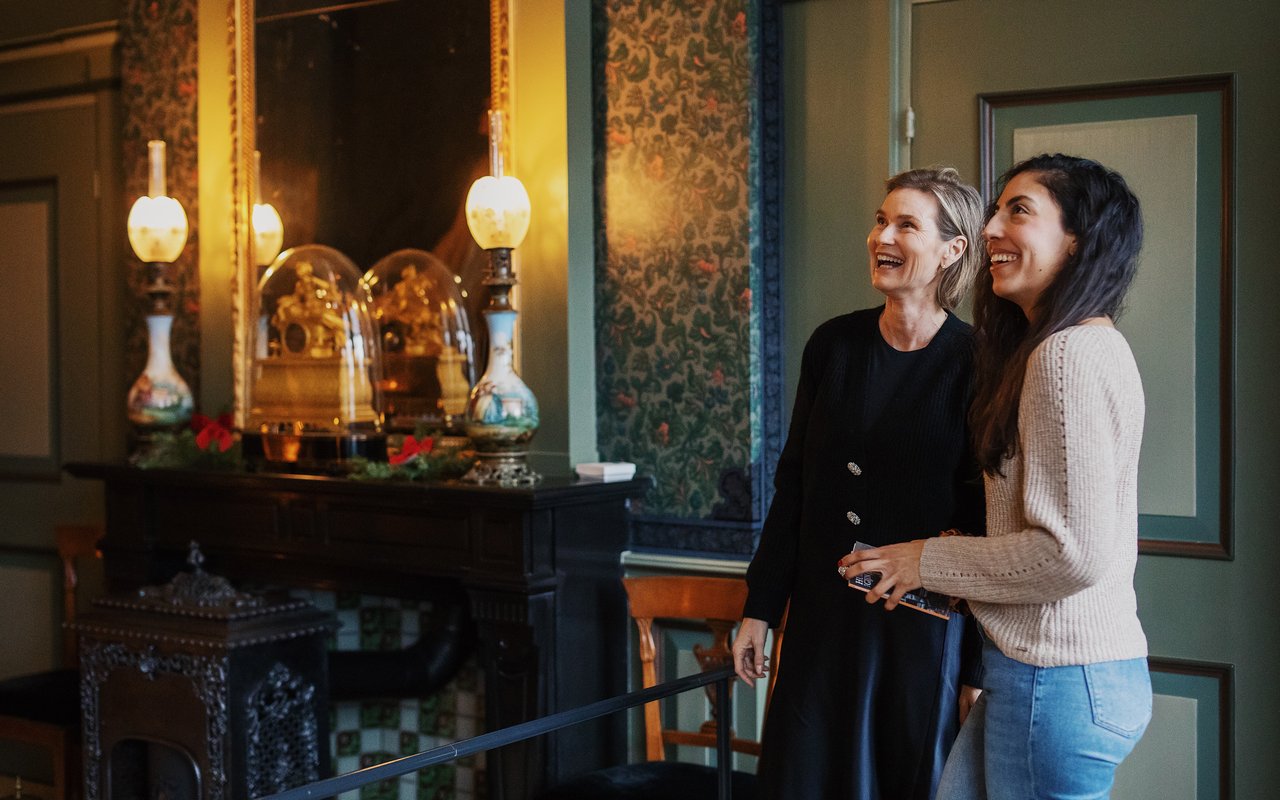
x=240 y=44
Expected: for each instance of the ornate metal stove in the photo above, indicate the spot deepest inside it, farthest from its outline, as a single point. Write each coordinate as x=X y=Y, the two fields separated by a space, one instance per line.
x=194 y=691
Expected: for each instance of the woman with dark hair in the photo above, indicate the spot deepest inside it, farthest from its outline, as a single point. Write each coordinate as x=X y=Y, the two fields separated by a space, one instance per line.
x=1057 y=423
x=867 y=704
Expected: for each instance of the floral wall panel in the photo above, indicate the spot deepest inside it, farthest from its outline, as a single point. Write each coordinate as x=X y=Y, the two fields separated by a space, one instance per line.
x=158 y=67
x=688 y=294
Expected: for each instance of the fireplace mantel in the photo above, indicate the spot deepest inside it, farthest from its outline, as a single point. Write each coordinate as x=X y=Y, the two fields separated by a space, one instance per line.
x=538 y=566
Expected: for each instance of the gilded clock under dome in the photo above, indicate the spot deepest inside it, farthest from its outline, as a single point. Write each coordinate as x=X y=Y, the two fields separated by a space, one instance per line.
x=427 y=349
x=316 y=366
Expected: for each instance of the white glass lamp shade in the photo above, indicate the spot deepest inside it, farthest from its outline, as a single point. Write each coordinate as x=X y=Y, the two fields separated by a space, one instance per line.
x=157 y=229
x=498 y=212
x=268 y=233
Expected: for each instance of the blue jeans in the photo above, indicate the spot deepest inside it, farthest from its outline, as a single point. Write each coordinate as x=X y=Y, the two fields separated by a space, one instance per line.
x=1047 y=733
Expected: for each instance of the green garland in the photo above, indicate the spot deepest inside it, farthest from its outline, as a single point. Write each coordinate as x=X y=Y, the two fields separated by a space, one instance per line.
x=439 y=464
x=423 y=462
x=180 y=451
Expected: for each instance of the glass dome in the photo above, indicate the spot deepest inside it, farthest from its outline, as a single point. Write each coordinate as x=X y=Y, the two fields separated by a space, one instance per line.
x=313 y=394
x=428 y=354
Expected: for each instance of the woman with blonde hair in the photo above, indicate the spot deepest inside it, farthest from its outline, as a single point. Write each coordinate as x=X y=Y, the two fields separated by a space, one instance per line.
x=866 y=704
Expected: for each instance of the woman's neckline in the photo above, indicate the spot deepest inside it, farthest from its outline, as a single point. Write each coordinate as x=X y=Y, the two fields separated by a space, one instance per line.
x=880 y=331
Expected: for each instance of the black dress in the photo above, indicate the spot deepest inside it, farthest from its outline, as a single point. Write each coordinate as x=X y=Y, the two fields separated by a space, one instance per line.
x=865 y=706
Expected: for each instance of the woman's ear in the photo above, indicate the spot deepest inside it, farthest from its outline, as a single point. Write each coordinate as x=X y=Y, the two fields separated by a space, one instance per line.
x=955 y=249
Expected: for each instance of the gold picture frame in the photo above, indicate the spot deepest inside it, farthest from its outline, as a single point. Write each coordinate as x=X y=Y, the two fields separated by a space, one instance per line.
x=239 y=55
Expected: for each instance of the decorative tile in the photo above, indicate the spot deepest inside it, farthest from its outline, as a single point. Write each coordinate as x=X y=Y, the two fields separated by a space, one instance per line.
x=379 y=714
x=344 y=764
x=382 y=790
x=346 y=716
x=347 y=636
x=409 y=715
x=380 y=628
x=437 y=783
x=348 y=743
x=373 y=731
x=409 y=787
x=438 y=714
x=411 y=624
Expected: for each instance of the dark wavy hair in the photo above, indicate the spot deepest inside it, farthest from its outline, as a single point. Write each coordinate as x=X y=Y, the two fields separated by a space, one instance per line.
x=1102 y=212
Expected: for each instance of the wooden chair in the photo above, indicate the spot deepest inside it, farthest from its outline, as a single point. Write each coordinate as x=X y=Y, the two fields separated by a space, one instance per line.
x=717 y=604
x=43 y=709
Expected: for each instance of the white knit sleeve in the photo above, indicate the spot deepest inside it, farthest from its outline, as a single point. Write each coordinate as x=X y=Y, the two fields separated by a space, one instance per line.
x=1068 y=426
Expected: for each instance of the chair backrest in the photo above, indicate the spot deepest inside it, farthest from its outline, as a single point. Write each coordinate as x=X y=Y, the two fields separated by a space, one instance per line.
x=717 y=604
x=73 y=542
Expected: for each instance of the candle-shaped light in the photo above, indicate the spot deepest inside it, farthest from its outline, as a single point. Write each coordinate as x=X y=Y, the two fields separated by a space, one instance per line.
x=268 y=229
x=157 y=224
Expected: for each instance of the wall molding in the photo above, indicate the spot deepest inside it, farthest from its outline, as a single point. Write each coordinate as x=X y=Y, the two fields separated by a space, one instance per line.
x=671 y=563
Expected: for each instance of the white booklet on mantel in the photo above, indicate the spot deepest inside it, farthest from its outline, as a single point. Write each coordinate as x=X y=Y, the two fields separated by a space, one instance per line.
x=606 y=470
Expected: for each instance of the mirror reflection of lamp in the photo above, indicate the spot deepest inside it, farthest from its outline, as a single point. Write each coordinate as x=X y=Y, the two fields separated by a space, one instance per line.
x=268 y=229
x=159 y=399
x=502 y=413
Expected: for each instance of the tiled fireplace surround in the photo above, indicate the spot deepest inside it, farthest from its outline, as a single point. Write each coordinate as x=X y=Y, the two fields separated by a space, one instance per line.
x=370 y=732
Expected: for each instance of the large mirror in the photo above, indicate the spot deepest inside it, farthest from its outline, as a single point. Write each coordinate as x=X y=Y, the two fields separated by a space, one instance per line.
x=370 y=119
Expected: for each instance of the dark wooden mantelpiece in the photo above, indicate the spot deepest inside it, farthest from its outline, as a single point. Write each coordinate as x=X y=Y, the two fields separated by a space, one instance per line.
x=538 y=566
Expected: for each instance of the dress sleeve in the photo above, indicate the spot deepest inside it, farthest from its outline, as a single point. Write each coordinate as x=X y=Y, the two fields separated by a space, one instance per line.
x=1069 y=431
x=772 y=571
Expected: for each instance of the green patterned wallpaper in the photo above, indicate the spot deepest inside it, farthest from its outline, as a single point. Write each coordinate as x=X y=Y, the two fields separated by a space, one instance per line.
x=158 y=52
x=679 y=259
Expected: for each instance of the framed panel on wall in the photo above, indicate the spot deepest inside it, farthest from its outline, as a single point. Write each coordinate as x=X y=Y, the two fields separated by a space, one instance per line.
x=1187 y=752
x=1172 y=141
x=29 y=446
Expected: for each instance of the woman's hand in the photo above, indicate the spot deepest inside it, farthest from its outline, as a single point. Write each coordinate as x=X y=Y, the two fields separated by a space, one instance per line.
x=749 y=660
x=898 y=565
x=968 y=696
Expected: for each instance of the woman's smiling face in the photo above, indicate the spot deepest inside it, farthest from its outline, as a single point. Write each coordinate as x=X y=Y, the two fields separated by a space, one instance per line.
x=906 y=248
x=1026 y=243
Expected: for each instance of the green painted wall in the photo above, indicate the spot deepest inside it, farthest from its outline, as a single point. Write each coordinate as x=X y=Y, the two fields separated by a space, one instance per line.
x=836 y=95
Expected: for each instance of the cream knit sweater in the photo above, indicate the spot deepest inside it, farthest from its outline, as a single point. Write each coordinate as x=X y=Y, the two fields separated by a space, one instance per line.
x=1052 y=581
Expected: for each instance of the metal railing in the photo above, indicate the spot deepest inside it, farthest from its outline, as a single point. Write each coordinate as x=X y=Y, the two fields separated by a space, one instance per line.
x=722 y=678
